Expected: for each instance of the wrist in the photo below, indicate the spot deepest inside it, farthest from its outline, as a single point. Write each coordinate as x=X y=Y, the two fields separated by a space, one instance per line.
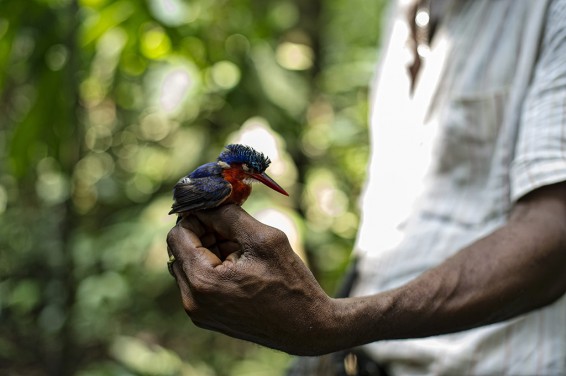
x=359 y=320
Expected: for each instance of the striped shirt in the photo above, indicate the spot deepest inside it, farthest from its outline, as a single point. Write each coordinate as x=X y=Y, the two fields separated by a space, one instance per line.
x=485 y=125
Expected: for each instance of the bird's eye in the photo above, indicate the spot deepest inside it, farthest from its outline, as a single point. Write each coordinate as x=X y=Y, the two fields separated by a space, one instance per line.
x=245 y=167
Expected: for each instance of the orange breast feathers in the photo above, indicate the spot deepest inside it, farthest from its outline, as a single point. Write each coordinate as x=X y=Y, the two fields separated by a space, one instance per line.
x=240 y=190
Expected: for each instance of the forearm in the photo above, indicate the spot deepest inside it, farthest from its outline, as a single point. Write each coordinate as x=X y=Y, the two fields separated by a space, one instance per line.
x=263 y=293
x=518 y=268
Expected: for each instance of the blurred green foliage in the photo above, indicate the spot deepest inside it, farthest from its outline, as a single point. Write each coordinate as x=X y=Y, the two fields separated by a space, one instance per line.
x=104 y=105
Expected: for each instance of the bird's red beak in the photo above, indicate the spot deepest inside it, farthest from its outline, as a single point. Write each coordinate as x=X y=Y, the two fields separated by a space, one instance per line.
x=265 y=179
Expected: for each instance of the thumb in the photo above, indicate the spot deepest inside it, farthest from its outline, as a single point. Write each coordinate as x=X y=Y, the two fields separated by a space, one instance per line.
x=234 y=224
x=230 y=222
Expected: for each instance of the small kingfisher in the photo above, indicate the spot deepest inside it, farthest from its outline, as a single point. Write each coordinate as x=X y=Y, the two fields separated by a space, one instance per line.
x=226 y=181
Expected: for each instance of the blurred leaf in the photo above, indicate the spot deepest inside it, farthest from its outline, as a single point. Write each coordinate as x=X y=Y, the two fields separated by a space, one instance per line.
x=98 y=23
x=105 y=105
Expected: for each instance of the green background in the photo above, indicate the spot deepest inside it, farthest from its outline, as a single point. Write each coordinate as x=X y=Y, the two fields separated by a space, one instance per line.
x=104 y=105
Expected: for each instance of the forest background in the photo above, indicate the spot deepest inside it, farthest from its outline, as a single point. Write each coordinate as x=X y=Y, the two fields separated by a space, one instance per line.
x=104 y=105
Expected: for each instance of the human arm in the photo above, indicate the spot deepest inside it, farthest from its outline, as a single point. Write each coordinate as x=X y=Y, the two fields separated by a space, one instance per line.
x=519 y=267
x=265 y=294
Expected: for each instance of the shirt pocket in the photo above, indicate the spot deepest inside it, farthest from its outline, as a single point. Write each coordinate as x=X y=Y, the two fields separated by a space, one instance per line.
x=468 y=133
x=466 y=182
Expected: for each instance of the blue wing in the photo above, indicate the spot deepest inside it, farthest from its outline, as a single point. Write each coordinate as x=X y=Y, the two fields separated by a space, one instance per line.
x=206 y=170
x=196 y=193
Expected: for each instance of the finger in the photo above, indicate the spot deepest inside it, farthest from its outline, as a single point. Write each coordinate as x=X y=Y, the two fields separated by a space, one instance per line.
x=228 y=247
x=214 y=249
x=189 y=303
x=191 y=222
x=170 y=261
x=233 y=257
x=174 y=268
x=208 y=240
x=182 y=281
x=186 y=246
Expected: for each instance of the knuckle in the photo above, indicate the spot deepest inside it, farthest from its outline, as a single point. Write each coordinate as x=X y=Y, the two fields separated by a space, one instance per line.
x=271 y=237
x=201 y=284
x=190 y=306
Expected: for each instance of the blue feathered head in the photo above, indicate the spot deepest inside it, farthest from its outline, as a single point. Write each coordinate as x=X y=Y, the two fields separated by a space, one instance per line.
x=242 y=154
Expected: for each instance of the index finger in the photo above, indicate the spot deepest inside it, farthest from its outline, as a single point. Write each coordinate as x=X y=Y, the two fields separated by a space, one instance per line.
x=190 y=222
x=187 y=247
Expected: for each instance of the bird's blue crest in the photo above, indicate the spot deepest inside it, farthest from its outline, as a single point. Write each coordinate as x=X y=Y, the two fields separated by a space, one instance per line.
x=236 y=153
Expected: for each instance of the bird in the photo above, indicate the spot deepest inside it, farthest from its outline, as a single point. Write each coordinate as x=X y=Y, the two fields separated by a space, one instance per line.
x=226 y=181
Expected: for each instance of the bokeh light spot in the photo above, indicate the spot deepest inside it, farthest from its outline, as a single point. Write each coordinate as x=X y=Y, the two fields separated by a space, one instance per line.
x=171 y=85
x=56 y=57
x=237 y=44
x=225 y=74
x=155 y=127
x=155 y=43
x=98 y=139
x=174 y=12
x=257 y=133
x=93 y=167
x=52 y=318
x=144 y=358
x=52 y=186
x=284 y=14
x=282 y=221
x=294 y=56
x=174 y=89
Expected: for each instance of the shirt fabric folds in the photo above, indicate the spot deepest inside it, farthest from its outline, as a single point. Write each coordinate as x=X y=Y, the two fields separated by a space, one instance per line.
x=485 y=125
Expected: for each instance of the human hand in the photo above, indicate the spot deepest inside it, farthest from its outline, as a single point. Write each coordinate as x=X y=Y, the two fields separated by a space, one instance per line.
x=242 y=278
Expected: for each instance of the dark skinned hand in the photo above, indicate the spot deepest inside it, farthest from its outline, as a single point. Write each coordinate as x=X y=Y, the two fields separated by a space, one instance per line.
x=242 y=278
